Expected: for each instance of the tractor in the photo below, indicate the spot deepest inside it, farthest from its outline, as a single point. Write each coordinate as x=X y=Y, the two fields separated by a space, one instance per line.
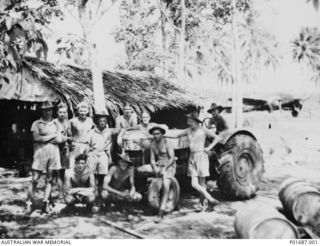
x=236 y=163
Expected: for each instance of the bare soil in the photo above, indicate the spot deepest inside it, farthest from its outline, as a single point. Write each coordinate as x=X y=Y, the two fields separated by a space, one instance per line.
x=291 y=149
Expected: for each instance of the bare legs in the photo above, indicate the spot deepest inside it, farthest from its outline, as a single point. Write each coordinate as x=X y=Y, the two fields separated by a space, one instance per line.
x=198 y=183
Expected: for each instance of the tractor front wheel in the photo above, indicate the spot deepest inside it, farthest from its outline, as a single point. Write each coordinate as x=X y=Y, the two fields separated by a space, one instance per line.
x=241 y=167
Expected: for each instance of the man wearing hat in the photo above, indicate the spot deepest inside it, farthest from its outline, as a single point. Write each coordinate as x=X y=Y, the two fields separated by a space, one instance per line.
x=119 y=182
x=80 y=126
x=162 y=161
x=198 y=164
x=99 y=145
x=46 y=157
x=80 y=184
x=217 y=120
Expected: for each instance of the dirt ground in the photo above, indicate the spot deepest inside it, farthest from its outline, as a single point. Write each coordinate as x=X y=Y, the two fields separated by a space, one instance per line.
x=291 y=149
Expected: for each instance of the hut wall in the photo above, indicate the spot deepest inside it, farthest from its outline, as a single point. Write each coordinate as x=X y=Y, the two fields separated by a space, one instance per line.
x=173 y=118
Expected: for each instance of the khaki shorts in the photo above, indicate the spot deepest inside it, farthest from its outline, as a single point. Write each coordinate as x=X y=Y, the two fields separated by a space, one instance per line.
x=46 y=157
x=79 y=148
x=99 y=163
x=198 y=165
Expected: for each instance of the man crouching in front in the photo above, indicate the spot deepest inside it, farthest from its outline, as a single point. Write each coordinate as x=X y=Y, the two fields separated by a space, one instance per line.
x=119 y=183
x=80 y=184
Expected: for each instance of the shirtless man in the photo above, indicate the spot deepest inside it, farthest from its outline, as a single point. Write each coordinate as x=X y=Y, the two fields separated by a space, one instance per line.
x=162 y=163
x=128 y=119
x=198 y=164
x=80 y=184
x=79 y=129
x=46 y=157
x=119 y=182
x=100 y=141
x=64 y=127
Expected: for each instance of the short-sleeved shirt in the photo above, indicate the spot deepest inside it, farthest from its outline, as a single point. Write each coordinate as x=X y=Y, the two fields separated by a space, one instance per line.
x=219 y=122
x=101 y=140
x=44 y=129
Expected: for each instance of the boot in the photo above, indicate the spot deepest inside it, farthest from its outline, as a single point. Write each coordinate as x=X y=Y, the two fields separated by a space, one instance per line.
x=160 y=217
x=29 y=208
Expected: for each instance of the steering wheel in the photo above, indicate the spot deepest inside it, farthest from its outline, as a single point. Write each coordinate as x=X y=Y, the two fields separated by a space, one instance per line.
x=206 y=124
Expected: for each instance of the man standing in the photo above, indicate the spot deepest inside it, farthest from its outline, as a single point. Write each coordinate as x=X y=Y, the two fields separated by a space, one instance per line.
x=128 y=119
x=64 y=128
x=79 y=129
x=80 y=184
x=198 y=164
x=99 y=143
x=119 y=182
x=162 y=163
x=46 y=157
x=145 y=124
x=217 y=120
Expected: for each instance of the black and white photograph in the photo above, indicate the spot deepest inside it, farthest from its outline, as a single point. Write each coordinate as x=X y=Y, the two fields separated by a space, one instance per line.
x=159 y=119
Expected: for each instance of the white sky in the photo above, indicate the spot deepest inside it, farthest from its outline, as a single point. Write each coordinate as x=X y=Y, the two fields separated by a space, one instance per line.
x=282 y=18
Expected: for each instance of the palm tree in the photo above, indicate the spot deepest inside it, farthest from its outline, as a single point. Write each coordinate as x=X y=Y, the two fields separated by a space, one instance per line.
x=306 y=47
x=315 y=3
x=306 y=51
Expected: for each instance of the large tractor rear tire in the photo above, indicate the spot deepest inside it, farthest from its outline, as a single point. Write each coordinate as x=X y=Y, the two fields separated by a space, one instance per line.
x=155 y=192
x=241 y=167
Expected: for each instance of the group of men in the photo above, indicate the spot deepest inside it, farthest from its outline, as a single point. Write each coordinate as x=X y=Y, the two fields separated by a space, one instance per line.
x=77 y=153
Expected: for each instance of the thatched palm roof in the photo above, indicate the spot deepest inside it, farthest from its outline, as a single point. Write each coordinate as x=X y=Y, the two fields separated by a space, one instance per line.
x=143 y=90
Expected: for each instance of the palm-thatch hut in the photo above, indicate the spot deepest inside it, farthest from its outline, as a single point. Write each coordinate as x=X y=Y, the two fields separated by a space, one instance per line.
x=38 y=81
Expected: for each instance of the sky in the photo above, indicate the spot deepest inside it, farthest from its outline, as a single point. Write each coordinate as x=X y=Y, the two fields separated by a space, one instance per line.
x=282 y=18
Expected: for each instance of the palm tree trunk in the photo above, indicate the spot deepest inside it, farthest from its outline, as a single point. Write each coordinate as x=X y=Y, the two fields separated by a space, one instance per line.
x=97 y=84
x=164 y=38
x=182 y=44
x=237 y=76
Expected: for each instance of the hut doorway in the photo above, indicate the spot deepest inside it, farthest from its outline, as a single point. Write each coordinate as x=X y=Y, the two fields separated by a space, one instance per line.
x=15 y=136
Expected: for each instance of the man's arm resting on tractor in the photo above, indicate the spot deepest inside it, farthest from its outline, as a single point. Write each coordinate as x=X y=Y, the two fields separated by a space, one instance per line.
x=216 y=139
x=176 y=135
